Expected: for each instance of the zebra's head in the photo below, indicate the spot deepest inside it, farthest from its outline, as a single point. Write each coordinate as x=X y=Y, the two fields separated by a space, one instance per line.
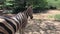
x=29 y=12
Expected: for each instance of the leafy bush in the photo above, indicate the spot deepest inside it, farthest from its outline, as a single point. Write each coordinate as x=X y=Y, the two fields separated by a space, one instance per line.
x=54 y=3
x=37 y=4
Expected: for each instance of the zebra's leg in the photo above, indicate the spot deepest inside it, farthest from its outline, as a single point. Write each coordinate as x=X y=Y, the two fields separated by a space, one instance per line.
x=21 y=31
x=23 y=25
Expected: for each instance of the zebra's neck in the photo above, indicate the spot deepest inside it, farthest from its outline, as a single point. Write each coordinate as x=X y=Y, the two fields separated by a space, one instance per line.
x=26 y=13
x=18 y=17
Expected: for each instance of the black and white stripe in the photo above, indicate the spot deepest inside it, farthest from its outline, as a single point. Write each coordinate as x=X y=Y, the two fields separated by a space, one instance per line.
x=9 y=25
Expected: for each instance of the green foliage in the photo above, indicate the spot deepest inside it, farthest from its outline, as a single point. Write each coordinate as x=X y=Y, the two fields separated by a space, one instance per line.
x=9 y=12
x=41 y=4
x=54 y=3
x=37 y=4
x=8 y=3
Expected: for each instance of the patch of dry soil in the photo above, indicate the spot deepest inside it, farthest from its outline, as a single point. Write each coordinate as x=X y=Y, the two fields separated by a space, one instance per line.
x=37 y=26
x=41 y=25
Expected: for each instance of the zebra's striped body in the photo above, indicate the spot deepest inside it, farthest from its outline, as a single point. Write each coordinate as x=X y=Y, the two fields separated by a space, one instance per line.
x=13 y=24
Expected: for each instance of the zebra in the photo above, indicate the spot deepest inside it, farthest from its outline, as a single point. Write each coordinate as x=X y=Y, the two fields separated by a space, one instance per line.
x=10 y=25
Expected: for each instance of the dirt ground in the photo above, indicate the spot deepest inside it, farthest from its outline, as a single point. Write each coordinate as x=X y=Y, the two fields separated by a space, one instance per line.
x=45 y=15
x=41 y=24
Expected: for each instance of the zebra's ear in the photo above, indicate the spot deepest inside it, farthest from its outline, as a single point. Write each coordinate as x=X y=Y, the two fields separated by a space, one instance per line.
x=29 y=8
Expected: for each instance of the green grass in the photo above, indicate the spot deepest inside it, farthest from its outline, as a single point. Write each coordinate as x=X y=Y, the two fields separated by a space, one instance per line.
x=57 y=17
x=50 y=16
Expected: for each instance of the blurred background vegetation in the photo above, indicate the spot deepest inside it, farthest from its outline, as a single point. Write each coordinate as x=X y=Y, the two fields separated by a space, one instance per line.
x=15 y=6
